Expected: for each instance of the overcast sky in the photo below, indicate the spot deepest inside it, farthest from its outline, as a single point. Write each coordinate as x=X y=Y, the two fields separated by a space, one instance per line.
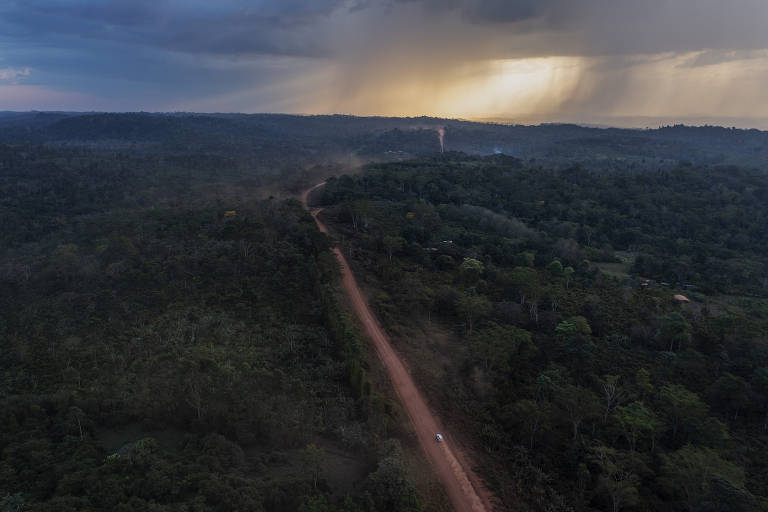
x=600 y=61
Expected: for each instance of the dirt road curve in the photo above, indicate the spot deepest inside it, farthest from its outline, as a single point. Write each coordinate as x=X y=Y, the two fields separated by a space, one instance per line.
x=462 y=486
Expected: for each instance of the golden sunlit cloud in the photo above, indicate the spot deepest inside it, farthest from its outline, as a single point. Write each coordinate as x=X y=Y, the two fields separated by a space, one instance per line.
x=548 y=60
x=572 y=89
x=519 y=87
x=479 y=89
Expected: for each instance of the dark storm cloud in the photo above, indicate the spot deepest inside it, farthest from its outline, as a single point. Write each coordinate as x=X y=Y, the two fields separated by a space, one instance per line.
x=269 y=27
x=147 y=51
x=610 y=27
x=299 y=28
x=150 y=54
x=501 y=11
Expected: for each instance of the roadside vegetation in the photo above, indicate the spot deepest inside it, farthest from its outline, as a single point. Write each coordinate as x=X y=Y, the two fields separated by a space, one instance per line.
x=169 y=343
x=173 y=337
x=537 y=307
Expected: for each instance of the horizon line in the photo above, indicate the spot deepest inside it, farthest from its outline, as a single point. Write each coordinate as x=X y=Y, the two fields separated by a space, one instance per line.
x=599 y=122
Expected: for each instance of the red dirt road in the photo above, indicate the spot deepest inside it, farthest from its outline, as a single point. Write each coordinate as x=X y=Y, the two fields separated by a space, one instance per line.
x=461 y=484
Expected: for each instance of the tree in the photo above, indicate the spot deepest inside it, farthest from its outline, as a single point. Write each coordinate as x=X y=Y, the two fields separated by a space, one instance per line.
x=643 y=383
x=617 y=481
x=315 y=504
x=526 y=259
x=390 y=487
x=710 y=432
x=760 y=385
x=635 y=420
x=77 y=417
x=313 y=461
x=681 y=405
x=525 y=280
x=568 y=273
x=674 y=330
x=730 y=393
x=470 y=271
x=495 y=345
x=555 y=268
x=689 y=472
x=724 y=495
x=12 y=503
x=573 y=327
x=555 y=293
x=472 y=307
x=530 y=415
x=583 y=476
x=612 y=394
x=416 y=296
x=579 y=404
x=392 y=244
x=575 y=335
x=358 y=212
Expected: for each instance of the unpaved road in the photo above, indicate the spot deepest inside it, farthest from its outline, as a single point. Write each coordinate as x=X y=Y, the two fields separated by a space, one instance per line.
x=463 y=487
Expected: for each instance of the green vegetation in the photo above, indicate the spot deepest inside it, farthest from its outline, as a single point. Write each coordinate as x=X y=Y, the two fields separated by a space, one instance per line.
x=171 y=344
x=274 y=143
x=583 y=389
x=172 y=338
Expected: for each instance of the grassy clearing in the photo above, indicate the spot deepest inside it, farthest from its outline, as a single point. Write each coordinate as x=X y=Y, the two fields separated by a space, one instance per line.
x=617 y=270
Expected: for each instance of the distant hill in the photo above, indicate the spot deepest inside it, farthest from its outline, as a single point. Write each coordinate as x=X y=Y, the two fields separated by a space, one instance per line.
x=388 y=138
x=32 y=119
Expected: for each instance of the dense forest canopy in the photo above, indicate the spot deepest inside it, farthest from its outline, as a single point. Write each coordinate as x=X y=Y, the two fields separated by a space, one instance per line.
x=173 y=338
x=171 y=342
x=605 y=331
x=702 y=227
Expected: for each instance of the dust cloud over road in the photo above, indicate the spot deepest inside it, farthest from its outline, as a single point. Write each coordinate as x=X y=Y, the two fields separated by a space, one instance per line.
x=463 y=487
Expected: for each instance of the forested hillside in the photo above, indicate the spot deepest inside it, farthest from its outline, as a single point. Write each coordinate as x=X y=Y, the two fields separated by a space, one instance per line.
x=169 y=343
x=601 y=336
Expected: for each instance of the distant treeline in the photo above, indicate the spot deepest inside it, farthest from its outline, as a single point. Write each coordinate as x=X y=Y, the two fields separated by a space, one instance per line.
x=281 y=139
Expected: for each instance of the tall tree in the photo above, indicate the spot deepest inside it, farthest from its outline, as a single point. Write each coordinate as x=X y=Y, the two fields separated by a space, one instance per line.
x=495 y=345
x=470 y=271
x=690 y=471
x=617 y=481
x=635 y=420
x=579 y=404
x=472 y=306
x=680 y=405
x=674 y=330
